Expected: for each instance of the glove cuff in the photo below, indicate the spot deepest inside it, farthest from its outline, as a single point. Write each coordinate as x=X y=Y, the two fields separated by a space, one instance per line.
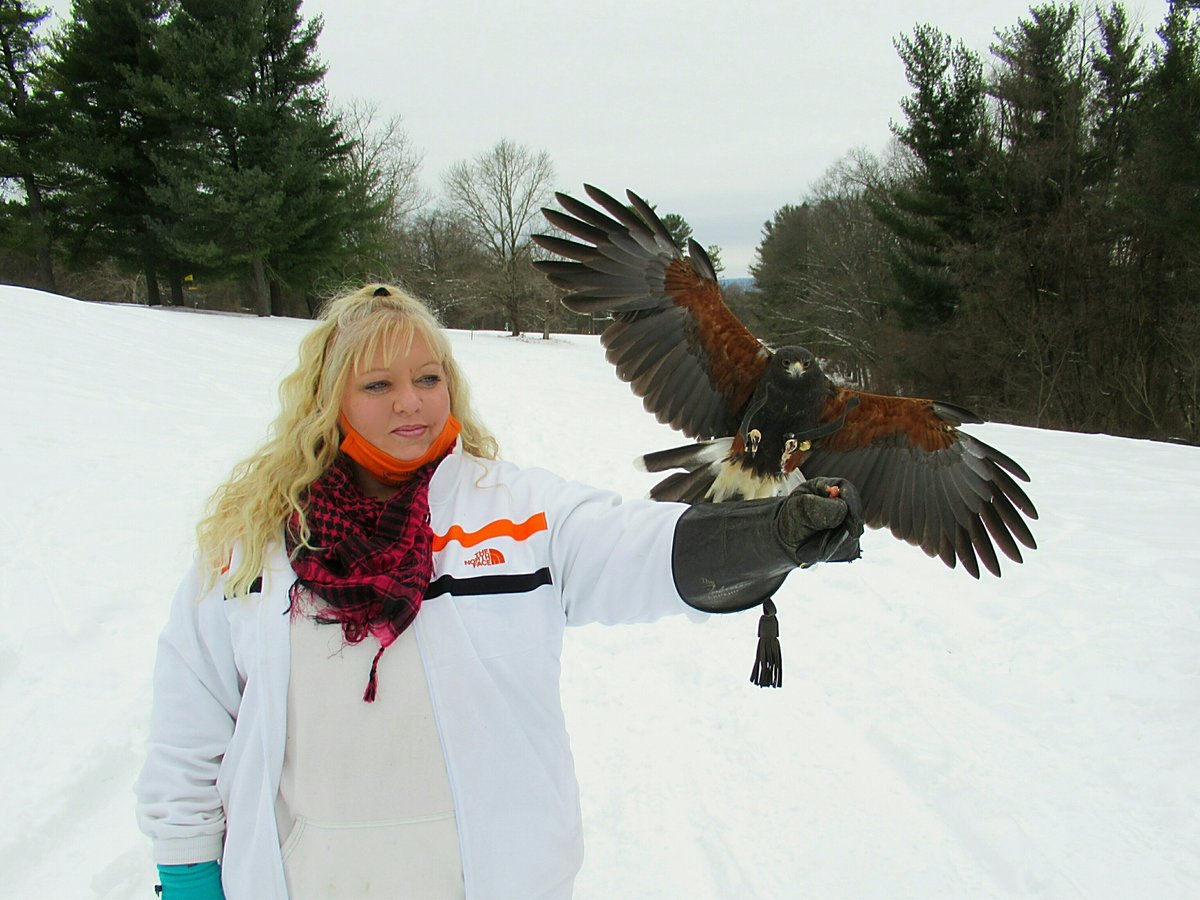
x=197 y=881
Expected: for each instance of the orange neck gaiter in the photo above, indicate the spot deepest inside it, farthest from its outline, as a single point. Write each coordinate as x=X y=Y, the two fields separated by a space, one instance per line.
x=386 y=467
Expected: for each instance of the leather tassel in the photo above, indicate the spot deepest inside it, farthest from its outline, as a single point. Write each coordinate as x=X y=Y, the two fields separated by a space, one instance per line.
x=768 y=663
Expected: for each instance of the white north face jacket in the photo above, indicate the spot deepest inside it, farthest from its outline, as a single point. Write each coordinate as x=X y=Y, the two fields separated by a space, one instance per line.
x=518 y=555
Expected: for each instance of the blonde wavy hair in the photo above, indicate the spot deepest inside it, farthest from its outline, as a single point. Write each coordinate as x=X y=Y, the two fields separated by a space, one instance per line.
x=263 y=492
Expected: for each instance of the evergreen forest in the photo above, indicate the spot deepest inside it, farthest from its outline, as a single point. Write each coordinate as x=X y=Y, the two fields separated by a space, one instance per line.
x=1027 y=246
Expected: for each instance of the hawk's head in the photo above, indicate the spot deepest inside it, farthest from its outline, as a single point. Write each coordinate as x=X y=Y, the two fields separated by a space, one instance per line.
x=793 y=363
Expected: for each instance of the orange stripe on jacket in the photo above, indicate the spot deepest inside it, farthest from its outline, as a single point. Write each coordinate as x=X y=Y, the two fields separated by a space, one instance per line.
x=496 y=529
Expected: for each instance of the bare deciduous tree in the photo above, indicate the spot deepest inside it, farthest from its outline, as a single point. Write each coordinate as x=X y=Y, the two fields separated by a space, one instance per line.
x=383 y=158
x=500 y=192
x=441 y=260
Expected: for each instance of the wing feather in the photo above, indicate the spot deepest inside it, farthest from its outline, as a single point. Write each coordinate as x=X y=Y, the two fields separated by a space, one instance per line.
x=938 y=537
x=642 y=216
x=632 y=346
x=946 y=550
x=983 y=547
x=667 y=379
x=1001 y=535
x=965 y=552
x=570 y=250
x=925 y=480
x=907 y=512
x=624 y=262
x=589 y=231
x=920 y=493
x=1012 y=491
x=653 y=382
x=1013 y=522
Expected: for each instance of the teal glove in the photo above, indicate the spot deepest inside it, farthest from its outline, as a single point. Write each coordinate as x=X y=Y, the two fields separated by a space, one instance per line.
x=199 y=881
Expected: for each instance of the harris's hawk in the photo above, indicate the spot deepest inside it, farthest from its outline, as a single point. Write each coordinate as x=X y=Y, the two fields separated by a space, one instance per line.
x=766 y=419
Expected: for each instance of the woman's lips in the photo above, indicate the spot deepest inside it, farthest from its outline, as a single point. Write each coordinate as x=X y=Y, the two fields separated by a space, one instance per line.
x=409 y=431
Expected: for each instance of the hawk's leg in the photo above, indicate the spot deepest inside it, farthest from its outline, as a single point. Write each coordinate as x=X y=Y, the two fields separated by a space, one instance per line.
x=753 y=439
x=790 y=446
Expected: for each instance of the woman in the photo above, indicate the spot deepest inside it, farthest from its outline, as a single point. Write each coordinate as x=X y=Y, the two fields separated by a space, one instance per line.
x=357 y=691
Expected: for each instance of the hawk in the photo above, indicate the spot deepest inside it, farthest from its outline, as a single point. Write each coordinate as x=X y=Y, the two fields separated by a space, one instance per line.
x=764 y=420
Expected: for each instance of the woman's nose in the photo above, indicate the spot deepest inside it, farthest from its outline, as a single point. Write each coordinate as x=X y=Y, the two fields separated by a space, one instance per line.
x=407 y=399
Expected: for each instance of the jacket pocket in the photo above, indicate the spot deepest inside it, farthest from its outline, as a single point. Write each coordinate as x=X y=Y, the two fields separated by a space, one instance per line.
x=408 y=857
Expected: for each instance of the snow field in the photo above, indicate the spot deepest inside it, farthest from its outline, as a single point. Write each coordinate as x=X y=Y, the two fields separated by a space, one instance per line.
x=1031 y=736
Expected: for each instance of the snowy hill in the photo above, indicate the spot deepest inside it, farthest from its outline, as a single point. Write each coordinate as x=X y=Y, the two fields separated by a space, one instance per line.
x=1031 y=736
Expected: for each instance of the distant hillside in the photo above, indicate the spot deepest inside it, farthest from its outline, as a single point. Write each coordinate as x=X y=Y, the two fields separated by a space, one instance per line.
x=745 y=284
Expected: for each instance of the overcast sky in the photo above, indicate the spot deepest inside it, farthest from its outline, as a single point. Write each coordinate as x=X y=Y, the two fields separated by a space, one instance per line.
x=719 y=111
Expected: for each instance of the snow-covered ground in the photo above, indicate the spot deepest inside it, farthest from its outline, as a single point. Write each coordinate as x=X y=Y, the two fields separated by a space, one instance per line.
x=1032 y=736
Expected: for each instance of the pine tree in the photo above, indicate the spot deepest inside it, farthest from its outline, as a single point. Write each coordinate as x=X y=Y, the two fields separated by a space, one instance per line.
x=1163 y=191
x=780 y=271
x=223 y=205
x=26 y=126
x=678 y=228
x=1169 y=119
x=1119 y=63
x=946 y=133
x=1041 y=92
x=298 y=143
x=265 y=187
x=107 y=68
x=1044 y=296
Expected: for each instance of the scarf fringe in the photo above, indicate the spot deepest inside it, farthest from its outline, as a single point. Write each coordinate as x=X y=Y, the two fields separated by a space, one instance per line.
x=373 y=680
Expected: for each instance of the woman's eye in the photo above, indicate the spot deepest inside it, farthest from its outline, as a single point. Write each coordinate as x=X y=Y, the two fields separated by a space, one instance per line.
x=429 y=380
x=376 y=387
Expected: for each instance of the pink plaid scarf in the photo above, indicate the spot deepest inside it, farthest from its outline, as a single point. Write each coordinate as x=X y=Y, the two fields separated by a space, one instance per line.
x=374 y=559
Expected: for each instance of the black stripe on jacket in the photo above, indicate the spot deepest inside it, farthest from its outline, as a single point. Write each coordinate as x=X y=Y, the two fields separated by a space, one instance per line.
x=488 y=584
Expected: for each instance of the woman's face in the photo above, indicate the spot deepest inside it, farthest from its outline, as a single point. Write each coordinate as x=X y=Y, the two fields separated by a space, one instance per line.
x=402 y=407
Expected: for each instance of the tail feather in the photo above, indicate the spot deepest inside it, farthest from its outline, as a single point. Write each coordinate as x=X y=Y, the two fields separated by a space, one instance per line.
x=691 y=457
x=686 y=487
x=701 y=464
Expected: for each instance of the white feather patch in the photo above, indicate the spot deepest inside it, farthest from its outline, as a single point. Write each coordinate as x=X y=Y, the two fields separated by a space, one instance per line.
x=735 y=482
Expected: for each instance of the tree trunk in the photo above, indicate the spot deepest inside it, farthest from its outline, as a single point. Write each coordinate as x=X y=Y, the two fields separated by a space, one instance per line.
x=276 y=291
x=512 y=301
x=37 y=216
x=153 y=297
x=262 y=293
x=176 y=281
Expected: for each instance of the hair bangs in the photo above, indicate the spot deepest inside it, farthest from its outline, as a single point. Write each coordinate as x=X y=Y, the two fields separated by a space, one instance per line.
x=383 y=334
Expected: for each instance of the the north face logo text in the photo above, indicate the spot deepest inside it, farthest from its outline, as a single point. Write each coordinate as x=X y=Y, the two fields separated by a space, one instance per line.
x=486 y=557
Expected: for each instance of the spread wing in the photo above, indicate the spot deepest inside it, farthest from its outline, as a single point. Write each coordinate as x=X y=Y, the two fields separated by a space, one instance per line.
x=696 y=366
x=929 y=483
x=673 y=339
